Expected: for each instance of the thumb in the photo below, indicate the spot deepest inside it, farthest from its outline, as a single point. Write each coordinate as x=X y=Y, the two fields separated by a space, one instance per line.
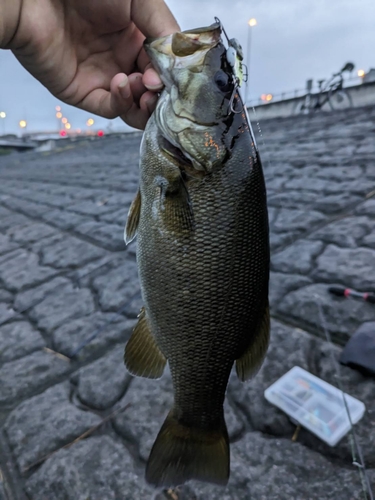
x=153 y=18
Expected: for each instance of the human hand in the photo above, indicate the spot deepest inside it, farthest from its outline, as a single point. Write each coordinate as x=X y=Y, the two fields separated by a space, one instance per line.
x=89 y=54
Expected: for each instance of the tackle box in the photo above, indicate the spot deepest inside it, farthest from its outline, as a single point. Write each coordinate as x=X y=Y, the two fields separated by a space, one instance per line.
x=315 y=404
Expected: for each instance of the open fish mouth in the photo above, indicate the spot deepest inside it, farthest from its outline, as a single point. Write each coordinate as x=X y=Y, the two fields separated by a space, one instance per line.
x=193 y=111
x=182 y=49
x=185 y=43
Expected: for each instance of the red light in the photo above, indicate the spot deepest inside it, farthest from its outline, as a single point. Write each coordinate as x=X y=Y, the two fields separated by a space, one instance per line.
x=63 y=133
x=100 y=133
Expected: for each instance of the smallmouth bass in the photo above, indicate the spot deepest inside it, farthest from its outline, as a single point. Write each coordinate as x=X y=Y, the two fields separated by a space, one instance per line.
x=201 y=220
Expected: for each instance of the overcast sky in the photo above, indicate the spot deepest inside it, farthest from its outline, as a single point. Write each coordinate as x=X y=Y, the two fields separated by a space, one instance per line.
x=294 y=40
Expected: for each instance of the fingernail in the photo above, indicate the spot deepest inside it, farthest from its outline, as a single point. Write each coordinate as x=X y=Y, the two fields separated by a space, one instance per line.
x=151 y=103
x=124 y=88
x=152 y=80
x=156 y=87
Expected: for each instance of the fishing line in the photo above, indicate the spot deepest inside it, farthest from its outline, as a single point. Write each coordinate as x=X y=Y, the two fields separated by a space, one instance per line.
x=354 y=442
x=356 y=450
x=291 y=239
x=261 y=136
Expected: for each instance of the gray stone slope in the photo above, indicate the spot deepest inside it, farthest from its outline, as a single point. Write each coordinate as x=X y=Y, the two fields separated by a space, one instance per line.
x=66 y=276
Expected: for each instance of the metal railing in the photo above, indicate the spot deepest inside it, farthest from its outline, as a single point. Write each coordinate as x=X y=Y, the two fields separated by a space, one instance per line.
x=293 y=94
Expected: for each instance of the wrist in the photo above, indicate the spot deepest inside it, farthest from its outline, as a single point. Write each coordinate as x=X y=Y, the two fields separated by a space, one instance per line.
x=10 y=13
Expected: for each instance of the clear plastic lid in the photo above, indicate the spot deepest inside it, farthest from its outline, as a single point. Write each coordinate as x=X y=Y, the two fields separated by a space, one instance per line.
x=315 y=404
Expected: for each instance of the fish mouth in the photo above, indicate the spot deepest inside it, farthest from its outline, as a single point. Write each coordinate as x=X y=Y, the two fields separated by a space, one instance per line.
x=185 y=43
x=181 y=49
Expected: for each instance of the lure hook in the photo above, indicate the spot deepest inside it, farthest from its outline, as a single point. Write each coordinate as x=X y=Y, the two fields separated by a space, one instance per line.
x=234 y=58
x=231 y=107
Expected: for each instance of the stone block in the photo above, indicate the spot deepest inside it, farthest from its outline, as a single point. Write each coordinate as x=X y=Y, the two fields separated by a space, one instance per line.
x=6 y=313
x=70 y=252
x=17 y=339
x=109 y=236
x=63 y=304
x=22 y=269
x=29 y=298
x=23 y=377
x=45 y=423
x=297 y=221
x=12 y=220
x=281 y=284
x=366 y=208
x=118 y=286
x=63 y=219
x=31 y=233
x=341 y=316
x=102 y=383
x=334 y=203
x=26 y=207
x=298 y=258
x=354 y=268
x=346 y=233
x=110 y=329
x=6 y=245
x=118 y=217
x=97 y=468
x=5 y=296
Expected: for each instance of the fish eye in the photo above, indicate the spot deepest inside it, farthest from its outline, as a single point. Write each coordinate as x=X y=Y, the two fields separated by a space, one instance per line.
x=222 y=81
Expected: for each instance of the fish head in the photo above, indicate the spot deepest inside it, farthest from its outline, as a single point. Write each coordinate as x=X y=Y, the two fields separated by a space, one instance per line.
x=193 y=109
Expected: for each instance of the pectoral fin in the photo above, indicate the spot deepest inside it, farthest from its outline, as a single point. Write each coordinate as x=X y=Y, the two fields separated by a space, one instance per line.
x=142 y=356
x=133 y=219
x=176 y=209
x=251 y=360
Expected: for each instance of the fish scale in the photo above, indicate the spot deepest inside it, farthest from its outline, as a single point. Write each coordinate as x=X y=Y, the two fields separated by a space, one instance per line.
x=203 y=258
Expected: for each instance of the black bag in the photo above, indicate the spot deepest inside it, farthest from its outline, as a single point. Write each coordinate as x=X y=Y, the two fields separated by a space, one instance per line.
x=359 y=352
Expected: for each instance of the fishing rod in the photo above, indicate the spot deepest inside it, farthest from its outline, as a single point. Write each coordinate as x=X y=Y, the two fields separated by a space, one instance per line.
x=348 y=292
x=356 y=449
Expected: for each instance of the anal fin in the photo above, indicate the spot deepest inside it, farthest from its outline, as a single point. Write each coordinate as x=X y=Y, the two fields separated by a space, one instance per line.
x=133 y=219
x=251 y=360
x=142 y=356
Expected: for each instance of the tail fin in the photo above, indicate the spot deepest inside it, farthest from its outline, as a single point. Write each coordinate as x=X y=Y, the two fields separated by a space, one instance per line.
x=181 y=453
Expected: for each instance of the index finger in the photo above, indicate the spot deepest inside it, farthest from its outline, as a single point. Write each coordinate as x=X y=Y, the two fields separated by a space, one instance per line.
x=153 y=18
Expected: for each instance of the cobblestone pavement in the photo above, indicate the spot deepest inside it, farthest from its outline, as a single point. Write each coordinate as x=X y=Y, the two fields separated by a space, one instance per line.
x=65 y=275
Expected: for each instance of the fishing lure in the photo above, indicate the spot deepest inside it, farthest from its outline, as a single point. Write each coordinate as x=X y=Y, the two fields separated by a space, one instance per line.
x=235 y=60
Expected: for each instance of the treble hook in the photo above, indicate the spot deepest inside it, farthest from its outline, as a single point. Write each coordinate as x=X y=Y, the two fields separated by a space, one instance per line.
x=235 y=91
x=236 y=50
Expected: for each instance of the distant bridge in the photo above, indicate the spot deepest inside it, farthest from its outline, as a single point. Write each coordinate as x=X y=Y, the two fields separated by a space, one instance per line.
x=18 y=144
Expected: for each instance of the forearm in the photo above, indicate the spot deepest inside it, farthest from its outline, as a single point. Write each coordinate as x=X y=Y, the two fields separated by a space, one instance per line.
x=10 y=12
